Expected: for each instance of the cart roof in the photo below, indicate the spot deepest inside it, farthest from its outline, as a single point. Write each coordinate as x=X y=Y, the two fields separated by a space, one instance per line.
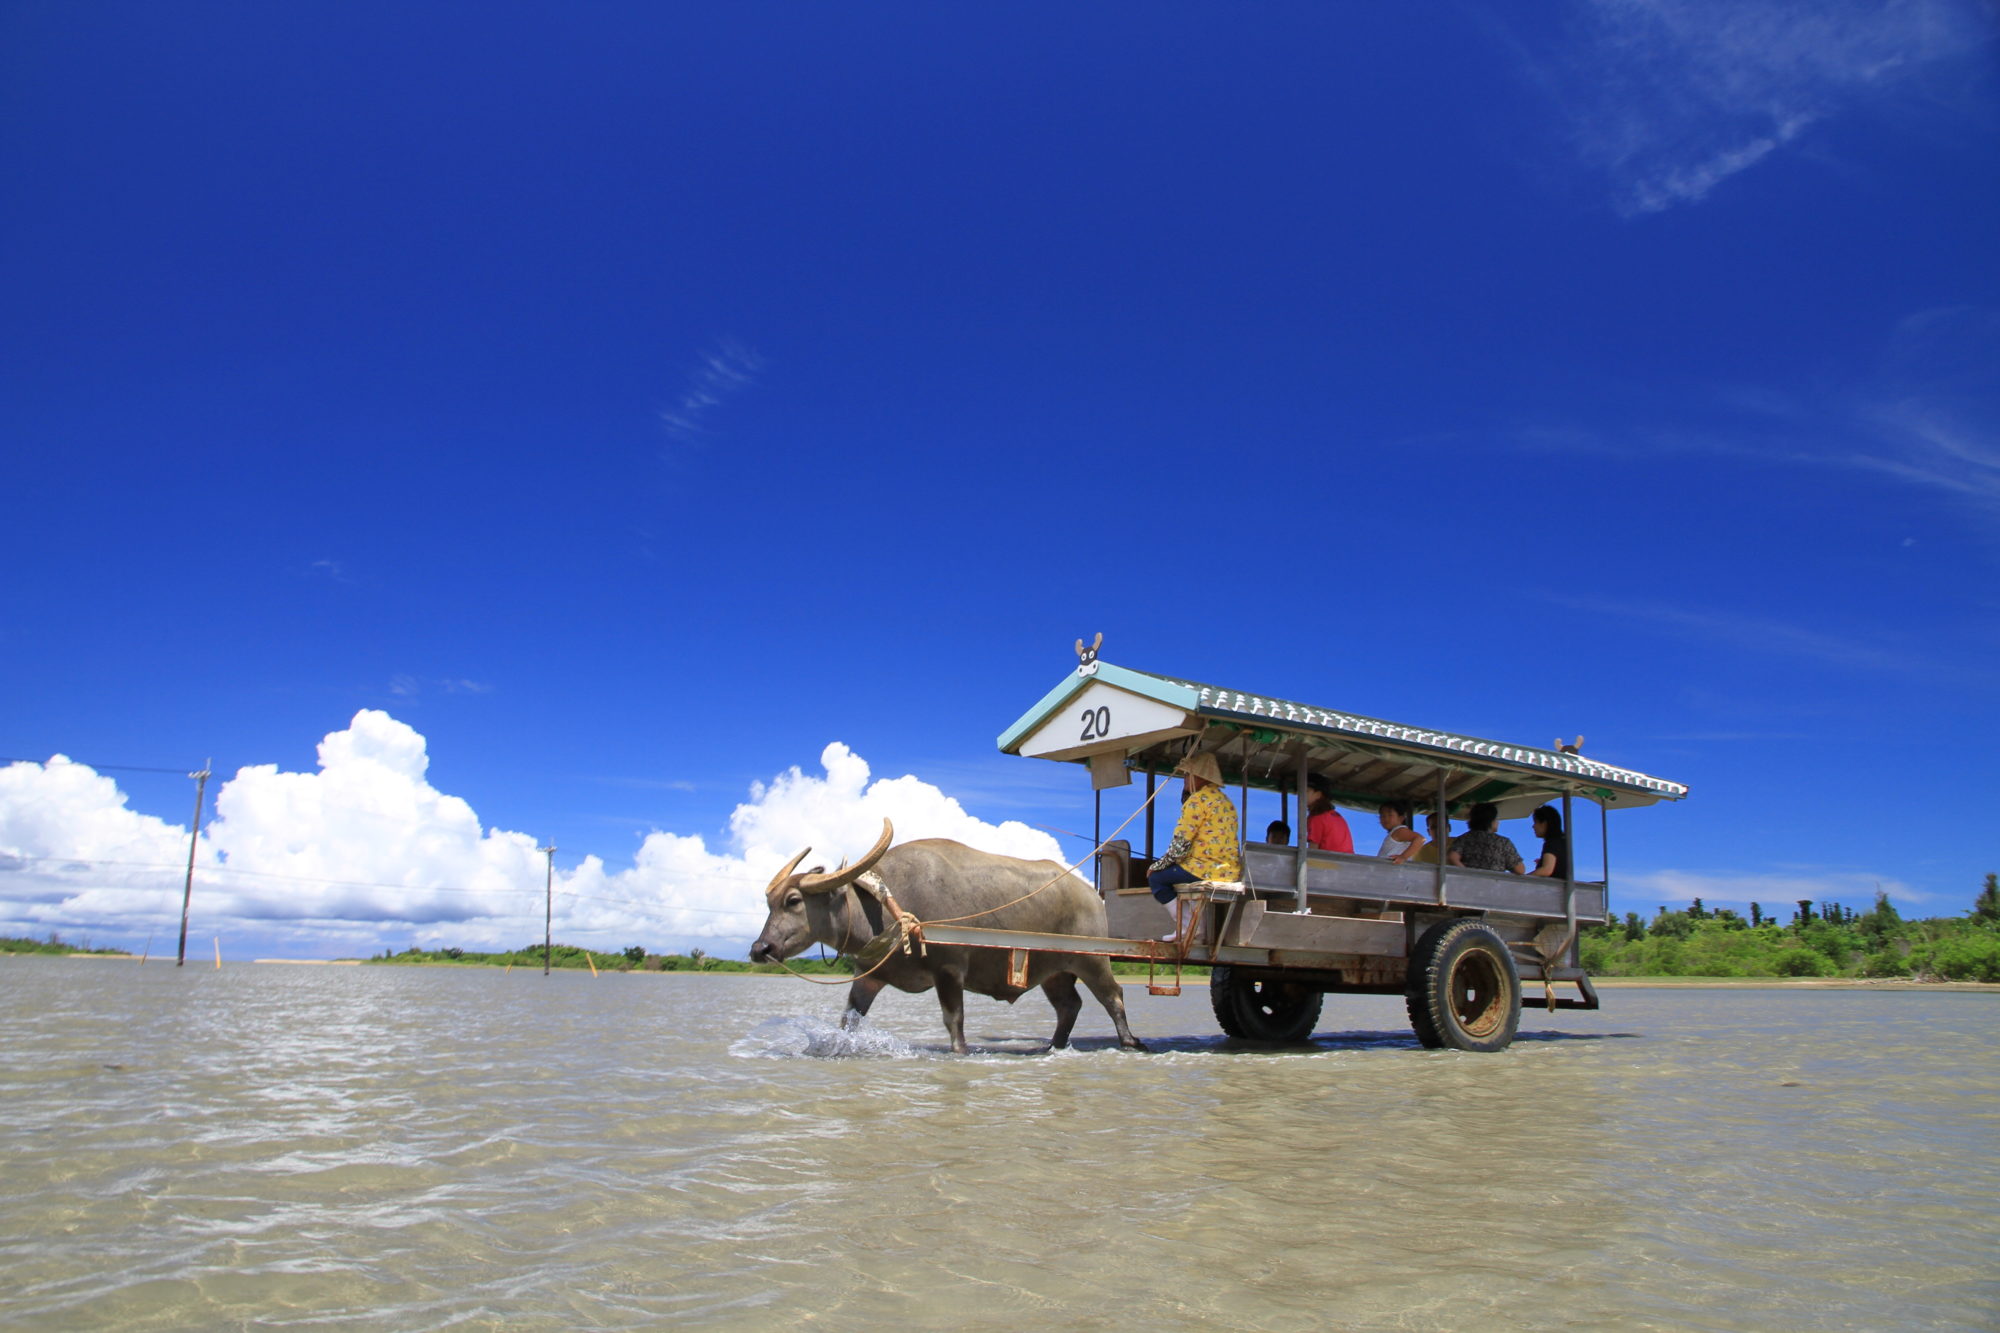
x=1113 y=718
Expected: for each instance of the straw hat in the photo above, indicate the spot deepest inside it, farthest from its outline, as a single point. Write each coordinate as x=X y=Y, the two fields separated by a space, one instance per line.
x=1201 y=766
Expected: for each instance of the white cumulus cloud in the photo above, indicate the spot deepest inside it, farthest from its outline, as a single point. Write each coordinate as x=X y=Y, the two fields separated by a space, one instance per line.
x=365 y=851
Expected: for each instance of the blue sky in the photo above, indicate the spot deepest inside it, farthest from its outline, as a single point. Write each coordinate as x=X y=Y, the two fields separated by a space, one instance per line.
x=631 y=401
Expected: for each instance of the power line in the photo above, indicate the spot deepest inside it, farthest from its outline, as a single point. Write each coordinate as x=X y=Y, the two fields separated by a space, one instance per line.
x=98 y=768
x=571 y=893
x=222 y=869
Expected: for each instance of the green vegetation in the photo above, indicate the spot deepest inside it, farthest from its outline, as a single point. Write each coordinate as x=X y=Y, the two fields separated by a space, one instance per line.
x=636 y=959
x=55 y=944
x=1161 y=971
x=1820 y=940
x=632 y=959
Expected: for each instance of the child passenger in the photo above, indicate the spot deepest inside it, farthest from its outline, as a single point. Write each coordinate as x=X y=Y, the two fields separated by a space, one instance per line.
x=1400 y=842
x=1440 y=834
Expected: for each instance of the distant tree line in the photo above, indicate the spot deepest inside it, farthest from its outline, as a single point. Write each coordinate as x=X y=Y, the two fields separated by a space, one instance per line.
x=1823 y=939
x=53 y=944
x=637 y=959
x=634 y=958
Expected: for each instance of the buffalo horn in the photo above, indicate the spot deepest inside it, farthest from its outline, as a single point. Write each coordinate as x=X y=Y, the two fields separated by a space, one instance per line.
x=790 y=866
x=822 y=883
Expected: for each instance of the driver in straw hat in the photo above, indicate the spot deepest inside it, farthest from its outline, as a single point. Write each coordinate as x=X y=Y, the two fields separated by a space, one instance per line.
x=1204 y=843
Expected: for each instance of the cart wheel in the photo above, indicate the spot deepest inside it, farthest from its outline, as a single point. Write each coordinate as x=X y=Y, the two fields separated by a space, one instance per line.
x=1464 y=992
x=1263 y=1010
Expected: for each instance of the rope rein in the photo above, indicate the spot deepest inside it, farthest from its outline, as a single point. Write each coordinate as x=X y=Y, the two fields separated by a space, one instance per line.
x=908 y=930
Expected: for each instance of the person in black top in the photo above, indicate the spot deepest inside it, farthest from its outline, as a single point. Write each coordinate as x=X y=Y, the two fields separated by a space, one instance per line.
x=1554 y=861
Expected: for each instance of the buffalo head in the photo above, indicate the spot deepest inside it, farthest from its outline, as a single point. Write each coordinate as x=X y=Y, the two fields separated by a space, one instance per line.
x=802 y=905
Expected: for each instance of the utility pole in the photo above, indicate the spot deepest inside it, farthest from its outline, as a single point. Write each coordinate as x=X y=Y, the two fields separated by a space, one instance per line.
x=187 y=891
x=549 y=904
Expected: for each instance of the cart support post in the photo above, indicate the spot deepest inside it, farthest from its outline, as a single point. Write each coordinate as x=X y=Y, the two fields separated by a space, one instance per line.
x=1097 y=842
x=1305 y=819
x=1444 y=825
x=1152 y=778
x=1569 y=841
x=1569 y=876
x=1243 y=820
x=1604 y=842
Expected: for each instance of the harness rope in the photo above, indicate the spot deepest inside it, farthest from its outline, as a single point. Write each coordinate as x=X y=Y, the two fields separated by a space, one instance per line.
x=909 y=930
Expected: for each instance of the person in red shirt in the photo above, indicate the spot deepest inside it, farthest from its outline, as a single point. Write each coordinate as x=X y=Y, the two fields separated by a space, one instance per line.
x=1326 y=829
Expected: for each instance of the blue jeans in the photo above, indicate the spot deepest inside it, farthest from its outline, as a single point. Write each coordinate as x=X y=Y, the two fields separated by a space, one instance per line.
x=1162 y=883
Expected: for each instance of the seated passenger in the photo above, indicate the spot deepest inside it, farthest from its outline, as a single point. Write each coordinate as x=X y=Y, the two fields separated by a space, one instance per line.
x=1480 y=848
x=1401 y=842
x=1326 y=828
x=1554 y=860
x=1439 y=838
x=1204 y=842
x=1278 y=831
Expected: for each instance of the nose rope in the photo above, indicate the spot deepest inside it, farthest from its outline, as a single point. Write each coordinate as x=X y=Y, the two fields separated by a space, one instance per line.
x=908 y=930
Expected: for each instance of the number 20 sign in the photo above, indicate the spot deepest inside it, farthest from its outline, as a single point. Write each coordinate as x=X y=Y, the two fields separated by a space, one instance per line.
x=1100 y=716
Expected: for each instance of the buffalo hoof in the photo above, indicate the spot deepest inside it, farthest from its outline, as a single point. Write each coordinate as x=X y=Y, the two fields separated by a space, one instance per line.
x=1133 y=1045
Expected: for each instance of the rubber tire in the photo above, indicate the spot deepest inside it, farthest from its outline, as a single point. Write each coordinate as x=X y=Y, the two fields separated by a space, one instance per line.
x=1464 y=992
x=1256 y=1009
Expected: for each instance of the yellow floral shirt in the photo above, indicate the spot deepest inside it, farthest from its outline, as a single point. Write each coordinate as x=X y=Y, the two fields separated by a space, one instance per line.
x=1208 y=822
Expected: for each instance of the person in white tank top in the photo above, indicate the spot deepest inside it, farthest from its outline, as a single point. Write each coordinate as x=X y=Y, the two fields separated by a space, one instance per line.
x=1400 y=842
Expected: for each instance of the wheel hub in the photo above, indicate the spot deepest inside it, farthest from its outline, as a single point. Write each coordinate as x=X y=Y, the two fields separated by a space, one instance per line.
x=1477 y=995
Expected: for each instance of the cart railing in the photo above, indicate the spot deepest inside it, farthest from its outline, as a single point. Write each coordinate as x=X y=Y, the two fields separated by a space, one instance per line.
x=1271 y=871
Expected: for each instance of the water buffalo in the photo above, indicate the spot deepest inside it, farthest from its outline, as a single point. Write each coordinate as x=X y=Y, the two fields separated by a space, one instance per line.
x=933 y=879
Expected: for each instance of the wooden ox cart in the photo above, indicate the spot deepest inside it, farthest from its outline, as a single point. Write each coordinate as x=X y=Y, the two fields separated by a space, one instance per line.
x=1457 y=943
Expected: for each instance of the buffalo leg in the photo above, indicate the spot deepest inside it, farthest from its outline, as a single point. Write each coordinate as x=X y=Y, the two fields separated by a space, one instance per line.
x=1096 y=974
x=1061 y=990
x=859 y=996
x=951 y=998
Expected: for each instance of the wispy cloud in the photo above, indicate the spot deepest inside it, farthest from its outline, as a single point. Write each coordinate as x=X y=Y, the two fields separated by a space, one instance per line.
x=1669 y=98
x=1927 y=417
x=1934 y=410
x=1748 y=633
x=1733 y=737
x=333 y=571
x=405 y=686
x=642 y=784
x=722 y=372
x=1676 y=888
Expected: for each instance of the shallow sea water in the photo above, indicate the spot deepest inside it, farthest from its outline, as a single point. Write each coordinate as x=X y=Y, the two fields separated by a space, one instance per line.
x=428 y=1148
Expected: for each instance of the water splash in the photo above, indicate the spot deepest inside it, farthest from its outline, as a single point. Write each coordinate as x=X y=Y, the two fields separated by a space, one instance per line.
x=811 y=1037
